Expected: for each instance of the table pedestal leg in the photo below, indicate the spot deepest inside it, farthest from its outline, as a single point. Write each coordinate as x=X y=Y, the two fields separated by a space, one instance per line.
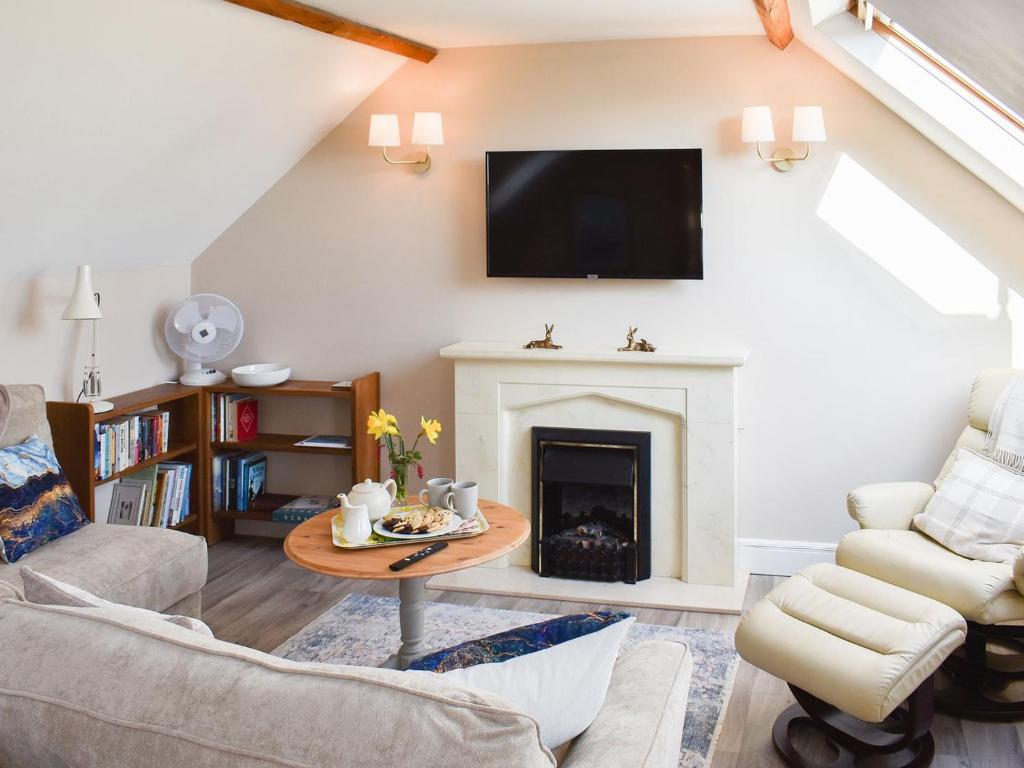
x=410 y=613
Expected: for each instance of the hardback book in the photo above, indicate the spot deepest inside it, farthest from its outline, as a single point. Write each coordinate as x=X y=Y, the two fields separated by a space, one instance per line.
x=301 y=509
x=246 y=420
x=126 y=504
x=251 y=481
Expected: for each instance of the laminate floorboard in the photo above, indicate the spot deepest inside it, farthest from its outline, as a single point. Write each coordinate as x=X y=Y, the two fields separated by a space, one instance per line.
x=258 y=598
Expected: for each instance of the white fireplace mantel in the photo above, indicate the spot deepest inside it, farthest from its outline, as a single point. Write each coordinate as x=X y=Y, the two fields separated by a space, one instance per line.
x=501 y=350
x=685 y=399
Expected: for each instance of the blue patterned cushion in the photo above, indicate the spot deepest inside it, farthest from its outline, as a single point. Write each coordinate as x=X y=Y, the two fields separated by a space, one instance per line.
x=517 y=642
x=37 y=504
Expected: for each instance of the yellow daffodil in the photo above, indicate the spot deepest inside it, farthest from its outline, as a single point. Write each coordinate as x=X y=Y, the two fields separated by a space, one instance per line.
x=431 y=428
x=381 y=423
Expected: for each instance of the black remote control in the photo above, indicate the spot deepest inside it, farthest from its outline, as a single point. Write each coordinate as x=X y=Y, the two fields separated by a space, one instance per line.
x=415 y=557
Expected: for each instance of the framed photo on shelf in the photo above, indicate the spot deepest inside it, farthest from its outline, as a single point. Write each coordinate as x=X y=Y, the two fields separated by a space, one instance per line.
x=126 y=504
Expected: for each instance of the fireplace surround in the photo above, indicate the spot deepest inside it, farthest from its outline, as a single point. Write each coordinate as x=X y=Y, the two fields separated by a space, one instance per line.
x=591 y=506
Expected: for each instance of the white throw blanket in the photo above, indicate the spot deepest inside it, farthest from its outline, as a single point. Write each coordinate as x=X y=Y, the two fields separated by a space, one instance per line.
x=1005 y=442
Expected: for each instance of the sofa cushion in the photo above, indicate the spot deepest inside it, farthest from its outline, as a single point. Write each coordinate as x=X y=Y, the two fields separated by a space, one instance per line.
x=127 y=694
x=23 y=414
x=557 y=671
x=46 y=590
x=150 y=568
x=37 y=504
x=977 y=590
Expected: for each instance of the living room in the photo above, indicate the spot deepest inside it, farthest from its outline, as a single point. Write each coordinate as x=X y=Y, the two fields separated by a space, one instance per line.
x=740 y=277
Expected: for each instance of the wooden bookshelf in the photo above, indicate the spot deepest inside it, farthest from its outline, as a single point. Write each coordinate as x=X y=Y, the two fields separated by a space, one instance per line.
x=360 y=398
x=73 y=427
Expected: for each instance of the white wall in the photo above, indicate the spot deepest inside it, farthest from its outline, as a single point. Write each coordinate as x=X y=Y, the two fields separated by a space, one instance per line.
x=133 y=132
x=348 y=265
x=37 y=347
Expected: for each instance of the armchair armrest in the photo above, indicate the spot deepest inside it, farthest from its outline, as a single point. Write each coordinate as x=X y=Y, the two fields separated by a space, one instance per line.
x=641 y=722
x=888 y=506
x=1018 y=571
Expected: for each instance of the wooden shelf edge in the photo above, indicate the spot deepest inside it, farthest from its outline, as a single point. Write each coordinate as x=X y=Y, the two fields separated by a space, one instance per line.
x=277 y=443
x=169 y=455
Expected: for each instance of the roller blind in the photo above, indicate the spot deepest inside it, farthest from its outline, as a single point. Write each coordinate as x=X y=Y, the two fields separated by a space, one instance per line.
x=983 y=39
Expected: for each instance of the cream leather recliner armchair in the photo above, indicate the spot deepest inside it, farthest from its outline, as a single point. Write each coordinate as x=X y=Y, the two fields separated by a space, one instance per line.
x=988 y=595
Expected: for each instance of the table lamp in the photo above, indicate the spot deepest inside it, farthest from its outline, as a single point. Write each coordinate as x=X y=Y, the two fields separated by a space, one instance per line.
x=85 y=305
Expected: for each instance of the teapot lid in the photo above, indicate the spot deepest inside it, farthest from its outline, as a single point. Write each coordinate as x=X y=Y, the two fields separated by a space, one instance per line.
x=367 y=485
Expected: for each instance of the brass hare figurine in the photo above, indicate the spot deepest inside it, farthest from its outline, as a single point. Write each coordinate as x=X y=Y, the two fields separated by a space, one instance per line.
x=636 y=346
x=546 y=342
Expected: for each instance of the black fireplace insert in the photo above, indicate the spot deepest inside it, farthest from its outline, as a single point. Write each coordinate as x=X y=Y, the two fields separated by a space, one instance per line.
x=591 y=504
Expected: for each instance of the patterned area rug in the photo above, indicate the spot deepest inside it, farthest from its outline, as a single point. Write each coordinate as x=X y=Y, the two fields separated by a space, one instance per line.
x=363 y=630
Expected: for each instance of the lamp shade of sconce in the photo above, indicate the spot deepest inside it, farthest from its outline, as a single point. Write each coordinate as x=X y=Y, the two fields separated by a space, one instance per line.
x=83 y=304
x=808 y=124
x=427 y=129
x=384 y=131
x=757 y=124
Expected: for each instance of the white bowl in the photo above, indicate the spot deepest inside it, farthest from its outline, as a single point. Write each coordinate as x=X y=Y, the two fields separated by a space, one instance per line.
x=260 y=374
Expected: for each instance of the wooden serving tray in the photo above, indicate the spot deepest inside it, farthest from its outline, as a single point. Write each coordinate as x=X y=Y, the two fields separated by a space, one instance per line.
x=376 y=540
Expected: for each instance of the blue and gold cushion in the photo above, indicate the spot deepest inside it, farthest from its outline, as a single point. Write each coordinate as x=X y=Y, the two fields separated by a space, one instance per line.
x=517 y=642
x=557 y=671
x=37 y=504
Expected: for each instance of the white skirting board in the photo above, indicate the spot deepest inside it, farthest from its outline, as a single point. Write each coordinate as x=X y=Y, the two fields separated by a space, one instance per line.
x=657 y=592
x=776 y=557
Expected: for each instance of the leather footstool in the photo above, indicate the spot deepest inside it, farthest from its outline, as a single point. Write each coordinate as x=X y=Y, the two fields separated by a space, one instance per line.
x=858 y=655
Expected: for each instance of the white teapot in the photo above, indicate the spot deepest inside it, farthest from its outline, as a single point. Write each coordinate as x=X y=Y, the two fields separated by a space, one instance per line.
x=377 y=497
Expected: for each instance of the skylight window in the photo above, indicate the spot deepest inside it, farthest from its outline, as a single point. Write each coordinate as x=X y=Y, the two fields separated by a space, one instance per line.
x=977 y=47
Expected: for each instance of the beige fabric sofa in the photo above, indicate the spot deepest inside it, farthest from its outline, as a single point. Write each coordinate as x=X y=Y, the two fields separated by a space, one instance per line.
x=84 y=689
x=146 y=567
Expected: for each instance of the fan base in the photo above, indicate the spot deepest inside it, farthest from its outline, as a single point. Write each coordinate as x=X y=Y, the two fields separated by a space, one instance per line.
x=202 y=378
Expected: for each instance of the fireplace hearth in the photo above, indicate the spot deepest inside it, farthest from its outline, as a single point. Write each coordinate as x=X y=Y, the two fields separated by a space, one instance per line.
x=591 y=504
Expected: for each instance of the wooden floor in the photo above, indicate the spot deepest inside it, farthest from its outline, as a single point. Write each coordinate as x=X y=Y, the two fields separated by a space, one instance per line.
x=257 y=597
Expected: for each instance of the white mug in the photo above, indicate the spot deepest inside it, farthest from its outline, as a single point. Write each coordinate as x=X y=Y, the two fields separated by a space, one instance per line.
x=463 y=499
x=434 y=493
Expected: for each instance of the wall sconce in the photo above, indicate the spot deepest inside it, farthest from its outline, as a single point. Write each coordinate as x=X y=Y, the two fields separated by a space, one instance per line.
x=426 y=130
x=808 y=127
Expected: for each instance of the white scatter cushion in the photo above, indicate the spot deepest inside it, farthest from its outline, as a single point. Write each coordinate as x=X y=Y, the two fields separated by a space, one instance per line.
x=978 y=510
x=46 y=590
x=557 y=671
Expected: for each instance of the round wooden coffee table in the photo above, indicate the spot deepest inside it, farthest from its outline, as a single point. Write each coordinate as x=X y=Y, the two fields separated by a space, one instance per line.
x=310 y=546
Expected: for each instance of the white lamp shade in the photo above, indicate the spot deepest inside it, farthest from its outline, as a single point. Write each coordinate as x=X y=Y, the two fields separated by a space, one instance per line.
x=83 y=304
x=427 y=129
x=808 y=124
x=384 y=131
x=757 y=124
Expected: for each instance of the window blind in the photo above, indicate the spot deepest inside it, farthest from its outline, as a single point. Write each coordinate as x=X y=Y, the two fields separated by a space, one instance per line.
x=984 y=39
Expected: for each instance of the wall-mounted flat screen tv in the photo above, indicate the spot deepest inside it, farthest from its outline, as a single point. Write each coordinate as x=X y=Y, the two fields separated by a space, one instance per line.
x=597 y=213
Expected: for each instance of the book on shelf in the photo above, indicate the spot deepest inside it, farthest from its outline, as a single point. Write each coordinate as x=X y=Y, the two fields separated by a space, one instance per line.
x=234 y=418
x=122 y=443
x=326 y=441
x=158 y=496
x=239 y=477
x=301 y=509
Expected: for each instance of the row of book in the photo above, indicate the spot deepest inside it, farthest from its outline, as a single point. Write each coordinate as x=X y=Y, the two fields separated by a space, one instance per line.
x=157 y=496
x=121 y=444
x=238 y=478
x=234 y=418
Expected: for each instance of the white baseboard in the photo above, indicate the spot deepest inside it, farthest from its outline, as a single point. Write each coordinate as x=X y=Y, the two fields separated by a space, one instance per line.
x=777 y=557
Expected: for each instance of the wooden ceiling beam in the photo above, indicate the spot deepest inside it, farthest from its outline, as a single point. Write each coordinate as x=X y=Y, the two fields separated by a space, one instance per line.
x=324 y=21
x=775 y=18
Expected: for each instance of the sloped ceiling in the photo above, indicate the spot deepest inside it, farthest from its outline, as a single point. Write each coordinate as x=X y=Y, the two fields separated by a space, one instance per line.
x=464 y=23
x=134 y=132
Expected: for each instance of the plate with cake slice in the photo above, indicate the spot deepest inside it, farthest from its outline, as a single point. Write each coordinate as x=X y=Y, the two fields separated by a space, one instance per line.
x=417 y=522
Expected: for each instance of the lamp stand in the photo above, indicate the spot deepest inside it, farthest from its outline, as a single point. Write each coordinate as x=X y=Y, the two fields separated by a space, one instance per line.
x=420 y=166
x=92 y=387
x=784 y=158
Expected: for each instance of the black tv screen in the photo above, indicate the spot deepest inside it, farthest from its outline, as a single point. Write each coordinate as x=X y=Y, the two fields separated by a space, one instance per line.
x=628 y=213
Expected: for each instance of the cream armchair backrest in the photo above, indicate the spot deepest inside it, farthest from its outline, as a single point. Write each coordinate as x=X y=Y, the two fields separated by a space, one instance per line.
x=985 y=391
x=22 y=414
